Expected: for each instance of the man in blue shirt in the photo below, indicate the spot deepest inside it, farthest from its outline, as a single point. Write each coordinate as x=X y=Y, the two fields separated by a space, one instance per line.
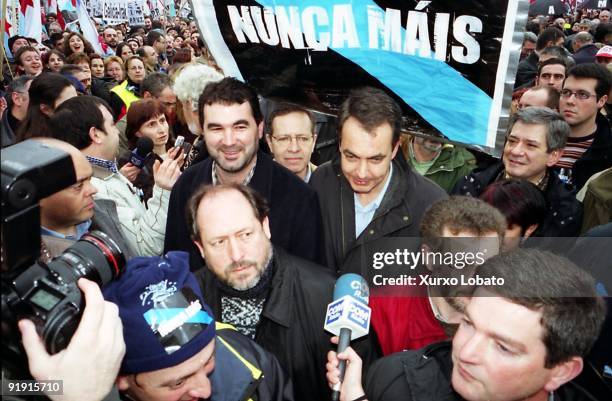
x=366 y=193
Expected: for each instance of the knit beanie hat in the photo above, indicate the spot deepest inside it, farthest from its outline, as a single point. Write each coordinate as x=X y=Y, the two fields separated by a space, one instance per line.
x=165 y=320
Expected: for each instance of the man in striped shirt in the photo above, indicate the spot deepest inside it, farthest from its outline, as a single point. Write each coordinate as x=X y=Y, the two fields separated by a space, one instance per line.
x=589 y=147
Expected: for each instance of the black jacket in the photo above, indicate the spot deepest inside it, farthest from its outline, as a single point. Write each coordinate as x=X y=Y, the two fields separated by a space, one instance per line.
x=564 y=217
x=295 y=217
x=597 y=157
x=425 y=375
x=586 y=54
x=291 y=323
x=232 y=380
x=6 y=132
x=399 y=214
x=527 y=70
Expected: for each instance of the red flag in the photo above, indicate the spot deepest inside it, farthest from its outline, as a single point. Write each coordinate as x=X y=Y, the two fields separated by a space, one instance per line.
x=23 y=4
x=60 y=18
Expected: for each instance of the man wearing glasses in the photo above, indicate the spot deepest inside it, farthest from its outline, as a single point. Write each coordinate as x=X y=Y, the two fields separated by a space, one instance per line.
x=291 y=136
x=589 y=146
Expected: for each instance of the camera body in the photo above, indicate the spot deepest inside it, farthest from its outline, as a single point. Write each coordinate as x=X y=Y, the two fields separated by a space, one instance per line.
x=46 y=293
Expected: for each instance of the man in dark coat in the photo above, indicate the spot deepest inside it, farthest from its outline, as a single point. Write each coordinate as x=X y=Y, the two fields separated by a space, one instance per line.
x=525 y=339
x=589 y=147
x=533 y=146
x=232 y=126
x=528 y=68
x=277 y=299
x=367 y=193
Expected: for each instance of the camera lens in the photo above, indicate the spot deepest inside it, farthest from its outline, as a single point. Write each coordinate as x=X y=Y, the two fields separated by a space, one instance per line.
x=95 y=256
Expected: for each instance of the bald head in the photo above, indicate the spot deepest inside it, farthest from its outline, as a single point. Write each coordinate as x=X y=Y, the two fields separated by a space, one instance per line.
x=540 y=96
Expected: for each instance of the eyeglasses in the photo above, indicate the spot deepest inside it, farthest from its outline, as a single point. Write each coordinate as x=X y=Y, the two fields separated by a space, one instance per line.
x=285 y=140
x=581 y=95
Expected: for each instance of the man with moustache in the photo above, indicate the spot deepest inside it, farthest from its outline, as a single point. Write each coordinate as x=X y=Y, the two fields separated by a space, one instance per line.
x=534 y=144
x=232 y=127
x=275 y=298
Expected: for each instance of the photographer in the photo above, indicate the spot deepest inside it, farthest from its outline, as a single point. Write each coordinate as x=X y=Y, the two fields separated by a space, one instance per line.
x=89 y=366
x=68 y=214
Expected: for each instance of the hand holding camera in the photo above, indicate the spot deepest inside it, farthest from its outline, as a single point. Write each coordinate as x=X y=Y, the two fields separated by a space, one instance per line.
x=90 y=363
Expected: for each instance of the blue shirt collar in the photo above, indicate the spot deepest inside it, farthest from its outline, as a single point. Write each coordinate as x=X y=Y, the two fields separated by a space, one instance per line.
x=376 y=202
x=81 y=229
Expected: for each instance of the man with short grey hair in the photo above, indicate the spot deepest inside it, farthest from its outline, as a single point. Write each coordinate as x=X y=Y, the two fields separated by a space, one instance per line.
x=529 y=44
x=18 y=100
x=534 y=144
x=584 y=49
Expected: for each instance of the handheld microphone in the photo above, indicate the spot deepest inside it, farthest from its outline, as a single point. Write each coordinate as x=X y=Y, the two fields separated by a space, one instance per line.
x=348 y=316
x=143 y=149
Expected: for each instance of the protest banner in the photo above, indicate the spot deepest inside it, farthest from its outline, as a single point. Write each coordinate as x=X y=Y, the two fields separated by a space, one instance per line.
x=114 y=11
x=594 y=4
x=96 y=8
x=451 y=65
x=135 y=13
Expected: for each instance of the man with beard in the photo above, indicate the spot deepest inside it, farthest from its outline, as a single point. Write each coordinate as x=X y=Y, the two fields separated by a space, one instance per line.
x=444 y=164
x=232 y=126
x=274 y=298
x=110 y=41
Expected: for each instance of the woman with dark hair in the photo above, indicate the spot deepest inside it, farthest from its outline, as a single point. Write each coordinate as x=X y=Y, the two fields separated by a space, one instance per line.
x=76 y=43
x=522 y=203
x=53 y=60
x=124 y=51
x=128 y=91
x=47 y=92
x=146 y=118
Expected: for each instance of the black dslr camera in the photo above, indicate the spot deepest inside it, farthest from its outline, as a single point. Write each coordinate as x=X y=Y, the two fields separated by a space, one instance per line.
x=47 y=294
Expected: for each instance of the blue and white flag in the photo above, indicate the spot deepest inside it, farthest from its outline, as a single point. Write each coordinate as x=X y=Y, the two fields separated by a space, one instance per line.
x=446 y=62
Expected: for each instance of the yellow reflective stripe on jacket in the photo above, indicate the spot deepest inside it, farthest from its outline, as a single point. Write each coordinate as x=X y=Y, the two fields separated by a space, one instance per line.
x=125 y=95
x=221 y=326
x=256 y=373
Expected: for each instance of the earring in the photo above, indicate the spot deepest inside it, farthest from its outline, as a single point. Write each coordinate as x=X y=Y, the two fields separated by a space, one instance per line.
x=551 y=396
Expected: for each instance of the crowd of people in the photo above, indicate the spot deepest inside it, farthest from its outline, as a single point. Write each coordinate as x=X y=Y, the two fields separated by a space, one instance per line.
x=234 y=225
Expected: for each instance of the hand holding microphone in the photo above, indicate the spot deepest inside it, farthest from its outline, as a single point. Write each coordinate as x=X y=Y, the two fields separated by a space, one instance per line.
x=143 y=149
x=348 y=316
x=138 y=157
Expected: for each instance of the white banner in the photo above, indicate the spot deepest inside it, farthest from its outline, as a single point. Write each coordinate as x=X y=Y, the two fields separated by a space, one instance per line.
x=114 y=11
x=135 y=13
